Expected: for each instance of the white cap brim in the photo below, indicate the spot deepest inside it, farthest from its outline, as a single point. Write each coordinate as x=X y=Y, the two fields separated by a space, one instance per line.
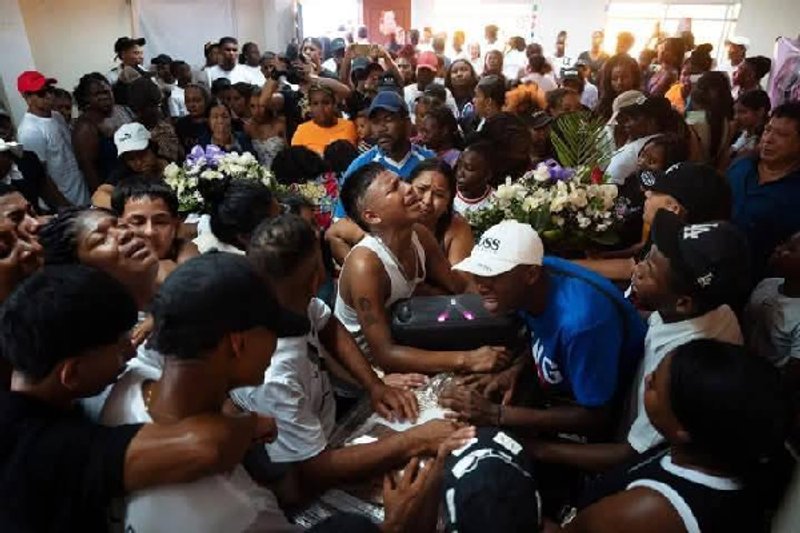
x=132 y=146
x=483 y=266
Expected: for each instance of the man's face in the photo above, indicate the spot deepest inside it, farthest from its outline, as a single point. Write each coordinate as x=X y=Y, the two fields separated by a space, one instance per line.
x=425 y=76
x=621 y=79
x=650 y=282
x=41 y=101
x=17 y=211
x=780 y=142
x=254 y=350
x=597 y=40
x=561 y=44
x=151 y=219
x=106 y=244
x=405 y=68
x=253 y=56
x=133 y=56
x=229 y=53
x=93 y=370
x=785 y=261
x=504 y=293
x=481 y=103
x=390 y=130
x=101 y=98
x=63 y=105
x=184 y=74
x=391 y=202
x=323 y=108
x=164 y=73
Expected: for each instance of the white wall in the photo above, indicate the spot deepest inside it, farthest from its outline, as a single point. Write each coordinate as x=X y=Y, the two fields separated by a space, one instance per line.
x=13 y=36
x=762 y=21
x=579 y=18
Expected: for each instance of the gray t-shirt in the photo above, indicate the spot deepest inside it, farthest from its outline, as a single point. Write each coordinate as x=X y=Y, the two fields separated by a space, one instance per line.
x=773 y=323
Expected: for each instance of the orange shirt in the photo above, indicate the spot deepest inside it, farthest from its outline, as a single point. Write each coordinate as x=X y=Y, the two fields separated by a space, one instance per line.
x=316 y=138
x=675 y=96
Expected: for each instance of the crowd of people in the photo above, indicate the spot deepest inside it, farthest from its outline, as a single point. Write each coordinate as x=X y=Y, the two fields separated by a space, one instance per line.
x=173 y=371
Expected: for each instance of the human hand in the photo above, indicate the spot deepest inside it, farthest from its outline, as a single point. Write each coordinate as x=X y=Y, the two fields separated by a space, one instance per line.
x=487 y=359
x=393 y=403
x=468 y=405
x=406 y=381
x=407 y=495
x=427 y=438
x=504 y=384
x=141 y=331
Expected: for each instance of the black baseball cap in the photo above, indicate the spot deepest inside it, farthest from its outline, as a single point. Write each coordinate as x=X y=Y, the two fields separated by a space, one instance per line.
x=161 y=59
x=489 y=486
x=338 y=44
x=124 y=43
x=218 y=293
x=538 y=120
x=697 y=187
x=711 y=258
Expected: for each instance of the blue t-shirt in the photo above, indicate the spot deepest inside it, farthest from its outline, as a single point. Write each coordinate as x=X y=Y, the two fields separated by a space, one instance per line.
x=589 y=340
x=402 y=168
x=767 y=213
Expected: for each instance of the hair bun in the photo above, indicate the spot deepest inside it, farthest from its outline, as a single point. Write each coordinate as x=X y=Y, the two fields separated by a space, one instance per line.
x=213 y=190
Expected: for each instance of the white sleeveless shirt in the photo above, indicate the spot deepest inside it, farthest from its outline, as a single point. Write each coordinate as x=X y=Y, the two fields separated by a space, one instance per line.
x=401 y=287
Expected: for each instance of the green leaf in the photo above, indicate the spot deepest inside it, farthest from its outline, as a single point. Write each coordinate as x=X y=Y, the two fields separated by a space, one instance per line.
x=580 y=140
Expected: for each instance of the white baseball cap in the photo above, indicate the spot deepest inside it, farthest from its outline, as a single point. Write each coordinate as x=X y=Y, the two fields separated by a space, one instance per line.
x=11 y=146
x=626 y=99
x=131 y=137
x=503 y=247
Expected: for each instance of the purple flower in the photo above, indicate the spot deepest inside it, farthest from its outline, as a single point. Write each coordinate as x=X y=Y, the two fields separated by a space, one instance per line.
x=210 y=156
x=557 y=172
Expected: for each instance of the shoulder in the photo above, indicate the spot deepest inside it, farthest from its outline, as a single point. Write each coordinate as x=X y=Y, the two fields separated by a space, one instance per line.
x=421 y=153
x=459 y=227
x=742 y=166
x=631 y=510
x=367 y=157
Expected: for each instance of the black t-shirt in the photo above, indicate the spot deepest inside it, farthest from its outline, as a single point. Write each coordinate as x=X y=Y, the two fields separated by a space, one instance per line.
x=33 y=177
x=190 y=132
x=292 y=110
x=58 y=471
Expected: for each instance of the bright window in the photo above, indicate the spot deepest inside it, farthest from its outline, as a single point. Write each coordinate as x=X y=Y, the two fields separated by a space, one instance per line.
x=710 y=22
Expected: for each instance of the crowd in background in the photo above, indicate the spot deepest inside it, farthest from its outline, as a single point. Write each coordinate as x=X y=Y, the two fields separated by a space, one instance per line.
x=212 y=354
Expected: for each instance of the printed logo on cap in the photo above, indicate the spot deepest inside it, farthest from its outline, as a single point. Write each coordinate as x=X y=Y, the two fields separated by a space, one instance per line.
x=695 y=230
x=490 y=244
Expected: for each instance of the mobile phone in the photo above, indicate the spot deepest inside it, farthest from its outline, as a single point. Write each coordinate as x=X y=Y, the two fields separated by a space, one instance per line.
x=362 y=50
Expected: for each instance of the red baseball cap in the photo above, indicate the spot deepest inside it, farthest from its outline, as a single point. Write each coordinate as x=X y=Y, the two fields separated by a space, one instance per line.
x=32 y=81
x=428 y=60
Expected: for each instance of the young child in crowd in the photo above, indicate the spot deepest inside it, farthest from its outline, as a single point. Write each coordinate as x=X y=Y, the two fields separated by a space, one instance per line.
x=473 y=175
x=365 y=141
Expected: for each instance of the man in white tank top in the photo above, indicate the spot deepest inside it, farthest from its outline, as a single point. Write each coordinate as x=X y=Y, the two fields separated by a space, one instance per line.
x=395 y=256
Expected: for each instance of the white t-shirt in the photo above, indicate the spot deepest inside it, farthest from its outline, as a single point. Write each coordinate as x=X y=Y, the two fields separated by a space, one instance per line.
x=590 y=96
x=773 y=322
x=625 y=160
x=224 y=502
x=462 y=205
x=513 y=61
x=559 y=63
x=50 y=139
x=239 y=73
x=256 y=74
x=297 y=392
x=177 y=102
x=720 y=325
x=545 y=82
x=411 y=92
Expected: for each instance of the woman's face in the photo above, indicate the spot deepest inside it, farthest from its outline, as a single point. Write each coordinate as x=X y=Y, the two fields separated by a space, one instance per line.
x=635 y=126
x=652 y=157
x=430 y=133
x=461 y=74
x=101 y=98
x=323 y=109
x=195 y=103
x=744 y=76
x=406 y=70
x=105 y=243
x=748 y=119
x=474 y=51
x=256 y=109
x=621 y=79
x=494 y=62
x=219 y=121
x=141 y=161
x=435 y=195
x=472 y=172
x=240 y=105
x=481 y=103
x=311 y=52
x=151 y=219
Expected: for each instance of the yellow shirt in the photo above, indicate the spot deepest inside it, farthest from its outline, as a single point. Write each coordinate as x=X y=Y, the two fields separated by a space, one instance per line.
x=316 y=138
x=675 y=96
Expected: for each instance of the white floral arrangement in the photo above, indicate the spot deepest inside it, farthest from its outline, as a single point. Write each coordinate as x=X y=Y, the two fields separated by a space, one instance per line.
x=569 y=208
x=211 y=163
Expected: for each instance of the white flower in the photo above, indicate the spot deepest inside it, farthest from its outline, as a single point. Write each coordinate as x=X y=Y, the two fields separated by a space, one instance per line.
x=578 y=198
x=559 y=203
x=171 y=171
x=559 y=221
x=507 y=192
x=542 y=173
x=530 y=204
x=583 y=222
x=194 y=170
x=603 y=226
x=211 y=175
x=246 y=159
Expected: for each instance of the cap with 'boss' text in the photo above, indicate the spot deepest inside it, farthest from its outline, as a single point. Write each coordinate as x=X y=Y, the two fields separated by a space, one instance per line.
x=503 y=247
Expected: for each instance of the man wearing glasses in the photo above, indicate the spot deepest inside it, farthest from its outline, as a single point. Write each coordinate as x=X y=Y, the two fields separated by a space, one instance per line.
x=47 y=135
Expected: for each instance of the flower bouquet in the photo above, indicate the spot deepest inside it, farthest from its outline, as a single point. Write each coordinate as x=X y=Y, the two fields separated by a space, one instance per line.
x=570 y=206
x=322 y=193
x=211 y=164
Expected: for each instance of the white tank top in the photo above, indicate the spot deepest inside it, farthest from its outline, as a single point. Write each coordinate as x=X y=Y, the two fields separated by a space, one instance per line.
x=401 y=287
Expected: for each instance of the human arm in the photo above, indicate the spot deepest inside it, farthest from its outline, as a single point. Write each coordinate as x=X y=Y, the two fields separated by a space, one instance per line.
x=342 y=236
x=340 y=89
x=344 y=69
x=613 y=269
x=87 y=152
x=265 y=98
x=188 y=450
x=437 y=267
x=596 y=458
x=390 y=65
x=364 y=283
x=630 y=511
x=389 y=402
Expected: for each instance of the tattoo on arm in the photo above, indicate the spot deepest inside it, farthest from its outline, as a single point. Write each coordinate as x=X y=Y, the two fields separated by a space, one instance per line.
x=369 y=318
